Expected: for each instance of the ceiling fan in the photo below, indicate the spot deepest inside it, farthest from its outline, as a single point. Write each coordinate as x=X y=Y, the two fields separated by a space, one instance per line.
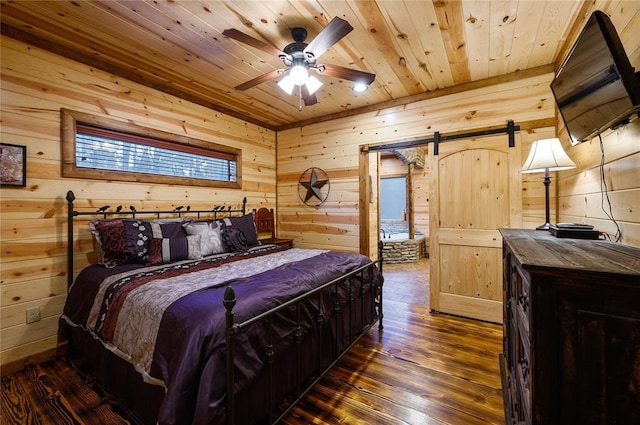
x=299 y=58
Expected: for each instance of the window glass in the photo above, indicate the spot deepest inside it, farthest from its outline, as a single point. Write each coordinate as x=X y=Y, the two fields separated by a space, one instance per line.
x=117 y=153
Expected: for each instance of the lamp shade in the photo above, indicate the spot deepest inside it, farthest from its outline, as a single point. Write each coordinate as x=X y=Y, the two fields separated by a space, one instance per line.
x=547 y=155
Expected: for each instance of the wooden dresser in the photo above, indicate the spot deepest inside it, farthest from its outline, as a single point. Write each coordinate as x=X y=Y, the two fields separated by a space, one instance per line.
x=571 y=330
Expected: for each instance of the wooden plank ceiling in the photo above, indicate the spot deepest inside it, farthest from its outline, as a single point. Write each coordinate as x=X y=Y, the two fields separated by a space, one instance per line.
x=414 y=47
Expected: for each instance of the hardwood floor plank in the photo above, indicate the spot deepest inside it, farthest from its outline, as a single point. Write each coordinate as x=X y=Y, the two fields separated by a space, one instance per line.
x=424 y=368
x=415 y=403
x=448 y=352
x=15 y=407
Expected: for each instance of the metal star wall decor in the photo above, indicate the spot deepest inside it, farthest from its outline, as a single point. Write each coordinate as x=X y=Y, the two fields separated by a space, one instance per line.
x=313 y=186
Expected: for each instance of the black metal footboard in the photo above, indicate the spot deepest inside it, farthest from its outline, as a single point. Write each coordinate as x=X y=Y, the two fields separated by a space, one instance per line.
x=365 y=310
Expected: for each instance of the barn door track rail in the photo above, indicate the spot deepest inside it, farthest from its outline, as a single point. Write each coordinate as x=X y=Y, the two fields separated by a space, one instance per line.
x=438 y=138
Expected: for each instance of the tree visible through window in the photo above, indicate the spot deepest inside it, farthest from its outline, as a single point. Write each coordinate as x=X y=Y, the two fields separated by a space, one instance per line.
x=117 y=152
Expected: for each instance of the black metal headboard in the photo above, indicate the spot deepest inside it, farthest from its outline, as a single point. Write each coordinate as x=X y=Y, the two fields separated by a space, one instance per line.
x=106 y=212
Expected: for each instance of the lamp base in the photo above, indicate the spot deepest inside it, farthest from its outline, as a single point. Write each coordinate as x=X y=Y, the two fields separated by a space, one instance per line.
x=545 y=226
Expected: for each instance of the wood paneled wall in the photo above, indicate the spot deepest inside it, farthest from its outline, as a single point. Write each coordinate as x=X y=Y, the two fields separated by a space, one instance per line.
x=582 y=191
x=35 y=85
x=335 y=146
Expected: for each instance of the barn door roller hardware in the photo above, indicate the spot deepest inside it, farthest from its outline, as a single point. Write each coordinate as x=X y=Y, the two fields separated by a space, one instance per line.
x=437 y=138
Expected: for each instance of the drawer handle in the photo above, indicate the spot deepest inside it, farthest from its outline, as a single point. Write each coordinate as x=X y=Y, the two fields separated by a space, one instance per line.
x=524 y=368
x=523 y=300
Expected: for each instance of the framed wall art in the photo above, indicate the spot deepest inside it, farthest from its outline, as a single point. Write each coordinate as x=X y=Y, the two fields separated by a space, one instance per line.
x=13 y=165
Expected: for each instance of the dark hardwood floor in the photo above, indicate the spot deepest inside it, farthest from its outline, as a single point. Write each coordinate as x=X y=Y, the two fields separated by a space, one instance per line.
x=423 y=368
x=407 y=282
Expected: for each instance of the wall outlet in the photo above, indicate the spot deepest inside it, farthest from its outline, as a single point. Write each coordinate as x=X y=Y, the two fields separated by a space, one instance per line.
x=33 y=314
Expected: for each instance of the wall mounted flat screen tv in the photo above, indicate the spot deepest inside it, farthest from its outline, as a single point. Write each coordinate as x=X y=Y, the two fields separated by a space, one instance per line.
x=596 y=87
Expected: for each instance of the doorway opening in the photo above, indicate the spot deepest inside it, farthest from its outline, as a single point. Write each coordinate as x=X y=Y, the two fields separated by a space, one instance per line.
x=404 y=241
x=394 y=189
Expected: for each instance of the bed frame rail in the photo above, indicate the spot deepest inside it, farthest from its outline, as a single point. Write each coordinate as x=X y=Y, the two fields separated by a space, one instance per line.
x=232 y=329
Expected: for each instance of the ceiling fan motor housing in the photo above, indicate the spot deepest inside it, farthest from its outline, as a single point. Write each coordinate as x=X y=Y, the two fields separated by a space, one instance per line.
x=295 y=54
x=299 y=34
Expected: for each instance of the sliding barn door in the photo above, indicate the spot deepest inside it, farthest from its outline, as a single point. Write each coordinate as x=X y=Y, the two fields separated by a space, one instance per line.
x=475 y=190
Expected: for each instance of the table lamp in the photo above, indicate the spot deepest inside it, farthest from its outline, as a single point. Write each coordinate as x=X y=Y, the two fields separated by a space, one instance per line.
x=547 y=155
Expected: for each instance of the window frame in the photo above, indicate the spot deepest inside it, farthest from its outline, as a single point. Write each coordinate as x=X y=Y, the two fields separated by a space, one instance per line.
x=71 y=120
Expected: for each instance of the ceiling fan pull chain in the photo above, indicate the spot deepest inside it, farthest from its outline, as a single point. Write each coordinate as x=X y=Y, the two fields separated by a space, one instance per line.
x=299 y=98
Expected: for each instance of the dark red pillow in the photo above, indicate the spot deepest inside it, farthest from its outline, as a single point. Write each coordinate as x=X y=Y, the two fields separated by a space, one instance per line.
x=113 y=241
x=123 y=241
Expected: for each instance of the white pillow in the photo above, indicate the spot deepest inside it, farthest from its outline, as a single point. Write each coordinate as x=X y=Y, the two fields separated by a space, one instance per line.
x=210 y=236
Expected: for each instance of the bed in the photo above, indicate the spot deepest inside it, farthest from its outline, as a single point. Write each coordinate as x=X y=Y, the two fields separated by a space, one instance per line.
x=181 y=333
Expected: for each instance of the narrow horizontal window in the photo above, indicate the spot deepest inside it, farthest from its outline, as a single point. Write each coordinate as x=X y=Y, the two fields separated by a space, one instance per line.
x=95 y=148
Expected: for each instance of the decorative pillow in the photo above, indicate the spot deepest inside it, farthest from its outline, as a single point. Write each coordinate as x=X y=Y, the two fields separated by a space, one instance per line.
x=245 y=223
x=97 y=242
x=235 y=239
x=166 y=250
x=167 y=229
x=210 y=236
x=137 y=234
x=112 y=239
x=122 y=241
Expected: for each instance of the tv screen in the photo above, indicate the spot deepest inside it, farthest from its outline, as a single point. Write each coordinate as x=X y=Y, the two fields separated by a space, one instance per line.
x=596 y=87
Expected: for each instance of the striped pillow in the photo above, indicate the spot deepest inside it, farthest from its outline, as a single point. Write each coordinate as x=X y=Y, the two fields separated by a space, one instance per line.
x=166 y=250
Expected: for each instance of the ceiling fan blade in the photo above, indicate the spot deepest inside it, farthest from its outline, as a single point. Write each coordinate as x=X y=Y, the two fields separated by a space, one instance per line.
x=253 y=42
x=347 y=73
x=309 y=99
x=261 y=79
x=330 y=35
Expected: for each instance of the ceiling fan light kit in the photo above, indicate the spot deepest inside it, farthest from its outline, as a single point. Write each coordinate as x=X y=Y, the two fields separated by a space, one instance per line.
x=287 y=84
x=299 y=57
x=313 y=84
x=299 y=75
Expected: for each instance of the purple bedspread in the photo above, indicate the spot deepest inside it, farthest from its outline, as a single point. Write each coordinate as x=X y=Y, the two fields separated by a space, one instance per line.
x=189 y=355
